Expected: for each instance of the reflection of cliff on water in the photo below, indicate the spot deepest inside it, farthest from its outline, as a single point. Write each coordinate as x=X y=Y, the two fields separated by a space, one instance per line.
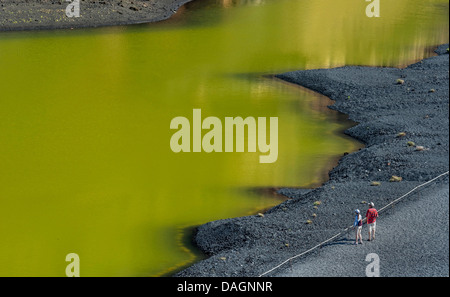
x=206 y=12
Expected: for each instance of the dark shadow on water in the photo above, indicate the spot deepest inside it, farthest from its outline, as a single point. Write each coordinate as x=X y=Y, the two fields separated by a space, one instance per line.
x=204 y=12
x=186 y=240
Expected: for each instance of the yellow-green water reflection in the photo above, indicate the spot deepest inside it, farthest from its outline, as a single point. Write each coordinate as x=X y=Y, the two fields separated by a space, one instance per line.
x=85 y=161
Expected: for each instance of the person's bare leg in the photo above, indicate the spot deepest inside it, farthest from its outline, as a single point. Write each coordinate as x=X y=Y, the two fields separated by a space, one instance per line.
x=360 y=236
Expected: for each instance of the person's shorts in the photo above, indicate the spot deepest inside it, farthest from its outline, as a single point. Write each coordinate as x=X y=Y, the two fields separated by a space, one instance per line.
x=372 y=227
x=358 y=229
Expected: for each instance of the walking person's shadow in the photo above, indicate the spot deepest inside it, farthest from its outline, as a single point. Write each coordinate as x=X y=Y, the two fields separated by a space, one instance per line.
x=344 y=240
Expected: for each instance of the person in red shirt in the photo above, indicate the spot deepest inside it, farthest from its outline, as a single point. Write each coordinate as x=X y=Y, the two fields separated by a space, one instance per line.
x=372 y=215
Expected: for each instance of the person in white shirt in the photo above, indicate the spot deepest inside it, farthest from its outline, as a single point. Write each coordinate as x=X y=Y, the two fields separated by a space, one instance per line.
x=358 y=225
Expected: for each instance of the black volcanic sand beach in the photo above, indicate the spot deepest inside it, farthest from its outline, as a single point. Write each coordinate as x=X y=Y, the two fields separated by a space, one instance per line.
x=51 y=14
x=402 y=117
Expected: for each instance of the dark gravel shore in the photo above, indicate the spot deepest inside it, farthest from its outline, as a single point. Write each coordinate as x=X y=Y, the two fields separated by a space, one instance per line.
x=405 y=246
x=51 y=14
x=384 y=102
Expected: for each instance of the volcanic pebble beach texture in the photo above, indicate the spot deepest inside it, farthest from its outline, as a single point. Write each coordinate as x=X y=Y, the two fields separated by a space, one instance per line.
x=51 y=14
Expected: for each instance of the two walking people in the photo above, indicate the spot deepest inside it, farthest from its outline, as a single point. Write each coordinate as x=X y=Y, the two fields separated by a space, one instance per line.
x=371 y=216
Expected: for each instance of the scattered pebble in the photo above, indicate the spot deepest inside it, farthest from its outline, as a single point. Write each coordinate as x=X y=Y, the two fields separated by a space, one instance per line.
x=395 y=178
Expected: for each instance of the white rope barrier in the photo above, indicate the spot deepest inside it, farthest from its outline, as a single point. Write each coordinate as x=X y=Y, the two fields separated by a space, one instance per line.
x=348 y=228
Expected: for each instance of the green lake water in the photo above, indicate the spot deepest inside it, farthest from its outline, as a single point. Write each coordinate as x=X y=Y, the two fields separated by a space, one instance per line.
x=85 y=161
